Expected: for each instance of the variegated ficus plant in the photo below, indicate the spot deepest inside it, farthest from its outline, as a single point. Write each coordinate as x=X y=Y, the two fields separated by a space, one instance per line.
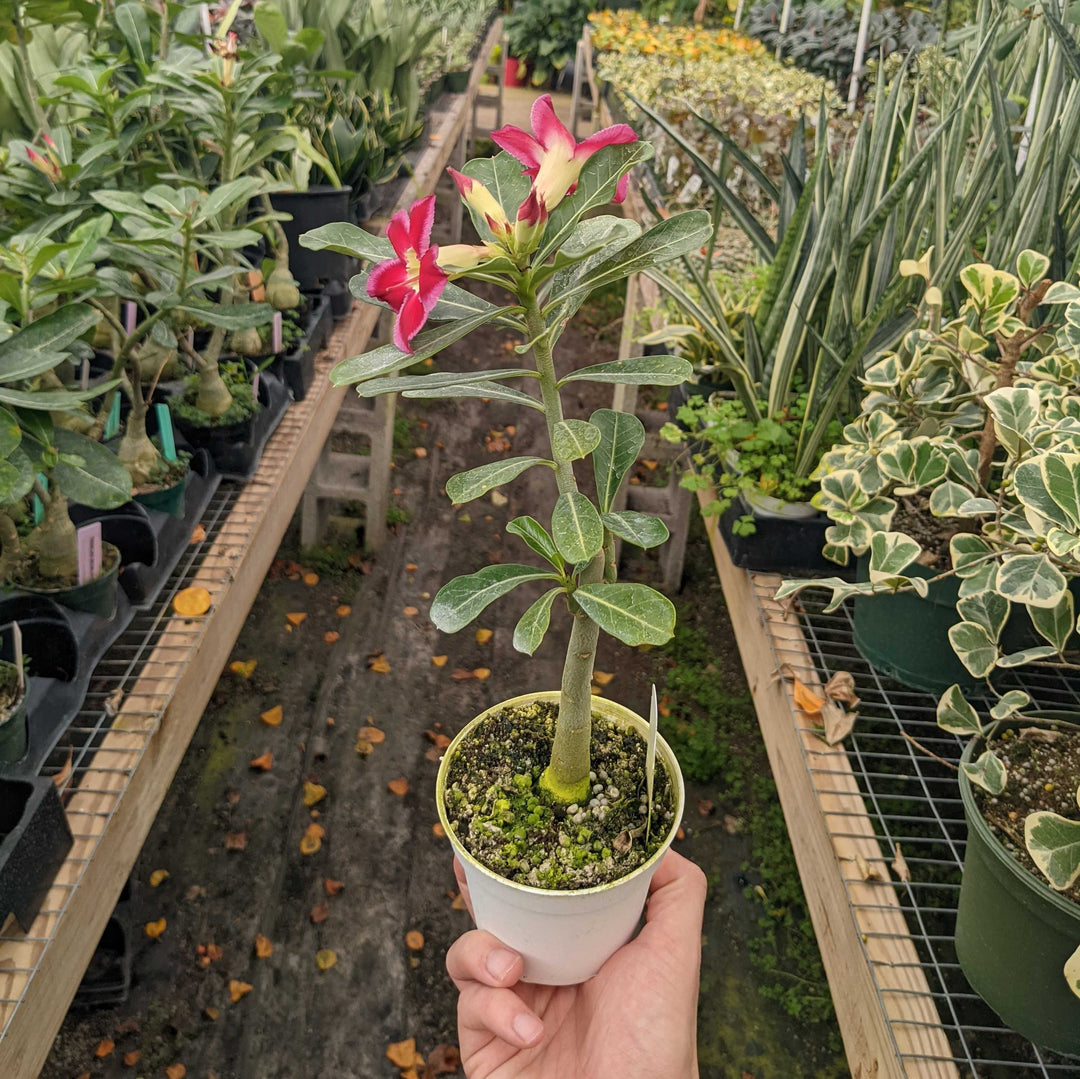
x=544 y=255
x=978 y=420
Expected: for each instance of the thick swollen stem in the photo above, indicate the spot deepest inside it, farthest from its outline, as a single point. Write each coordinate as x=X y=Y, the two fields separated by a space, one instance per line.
x=213 y=397
x=136 y=452
x=10 y=549
x=54 y=542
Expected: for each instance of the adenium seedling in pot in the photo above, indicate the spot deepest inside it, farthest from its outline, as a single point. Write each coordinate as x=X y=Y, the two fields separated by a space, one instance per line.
x=544 y=797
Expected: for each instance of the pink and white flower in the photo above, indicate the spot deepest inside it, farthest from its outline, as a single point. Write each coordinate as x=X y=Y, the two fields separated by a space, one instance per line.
x=552 y=157
x=479 y=199
x=412 y=283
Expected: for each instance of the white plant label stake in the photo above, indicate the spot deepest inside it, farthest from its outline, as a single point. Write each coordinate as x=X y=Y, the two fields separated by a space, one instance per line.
x=650 y=759
x=16 y=638
x=89 y=546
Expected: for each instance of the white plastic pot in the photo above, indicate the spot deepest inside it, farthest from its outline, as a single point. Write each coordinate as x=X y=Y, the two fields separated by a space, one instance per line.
x=565 y=937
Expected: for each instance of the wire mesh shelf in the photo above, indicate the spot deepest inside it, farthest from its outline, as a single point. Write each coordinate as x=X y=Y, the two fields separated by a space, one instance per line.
x=913 y=804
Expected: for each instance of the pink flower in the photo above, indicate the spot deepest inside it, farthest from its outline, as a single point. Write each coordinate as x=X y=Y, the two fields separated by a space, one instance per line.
x=412 y=283
x=552 y=158
x=484 y=203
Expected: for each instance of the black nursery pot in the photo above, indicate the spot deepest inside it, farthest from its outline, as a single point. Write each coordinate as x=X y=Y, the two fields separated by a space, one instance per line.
x=167 y=499
x=97 y=597
x=298 y=366
x=312 y=209
x=14 y=733
x=34 y=841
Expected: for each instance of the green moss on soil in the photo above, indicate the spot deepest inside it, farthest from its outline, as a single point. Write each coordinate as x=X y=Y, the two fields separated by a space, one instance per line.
x=503 y=818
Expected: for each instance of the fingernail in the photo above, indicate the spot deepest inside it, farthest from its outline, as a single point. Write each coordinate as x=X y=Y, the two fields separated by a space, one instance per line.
x=528 y=1028
x=500 y=962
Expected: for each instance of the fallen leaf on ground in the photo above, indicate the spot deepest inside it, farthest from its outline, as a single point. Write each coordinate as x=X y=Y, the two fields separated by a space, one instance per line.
x=461 y=674
x=482 y=674
x=806 y=700
x=311 y=579
x=681 y=833
x=841 y=687
x=330 y=637
x=214 y=952
x=263 y=948
x=104 y=1048
x=498 y=499
x=363 y=747
x=439 y=661
x=158 y=876
x=325 y=959
x=865 y=869
x=410 y=612
x=273 y=716
x=732 y=825
x=414 y=940
x=132 y=1058
x=236 y=841
x=433 y=754
x=333 y=887
x=1040 y=734
x=838 y=724
x=484 y=635
x=313 y=793
x=243 y=667
x=411 y=567
x=320 y=912
x=154 y=929
x=113 y=701
x=262 y=763
x=312 y=839
x=705 y=807
x=378 y=663
x=402 y=1054
x=356 y=560
x=198 y=534
x=196 y=891
x=438 y=831
x=459 y=902
x=372 y=735
x=343 y=611
x=176 y=1071
x=900 y=866
x=602 y=678
x=211 y=1013
x=191 y=602
x=295 y=618
x=399 y=786
x=444 y=1060
x=61 y=778
x=437 y=738
x=127 y=1026
x=419 y=451
x=238 y=990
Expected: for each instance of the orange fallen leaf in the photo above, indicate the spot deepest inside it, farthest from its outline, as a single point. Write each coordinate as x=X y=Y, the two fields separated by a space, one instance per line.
x=244 y=668
x=325 y=959
x=263 y=948
x=312 y=839
x=320 y=912
x=273 y=716
x=402 y=1054
x=236 y=841
x=372 y=735
x=313 y=793
x=806 y=700
x=378 y=663
x=399 y=787
x=343 y=611
x=459 y=902
x=438 y=738
x=420 y=451
x=333 y=887
x=198 y=534
x=238 y=990
x=105 y=1047
x=602 y=678
x=154 y=929
x=438 y=831
x=330 y=637
x=439 y=661
x=680 y=834
x=191 y=602
x=158 y=876
x=295 y=618
x=262 y=763
x=410 y=612
x=214 y=952
x=482 y=674
x=176 y=1071
x=411 y=567
x=484 y=635
x=511 y=430
x=132 y=1058
x=211 y=1013
x=311 y=579
x=414 y=940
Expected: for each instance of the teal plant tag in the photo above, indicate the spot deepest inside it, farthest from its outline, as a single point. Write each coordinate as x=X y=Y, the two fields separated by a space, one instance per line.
x=165 y=432
x=112 y=422
x=36 y=505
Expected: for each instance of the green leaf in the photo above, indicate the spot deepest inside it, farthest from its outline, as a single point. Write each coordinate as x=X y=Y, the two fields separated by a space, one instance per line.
x=466 y=486
x=53 y=400
x=1031 y=579
x=1029 y=483
x=1027 y=655
x=967 y=554
x=52 y=332
x=1053 y=842
x=537 y=537
x=890 y=554
x=955 y=715
x=10 y=433
x=438 y=378
x=533 y=624
x=346 y=239
x=270 y=22
x=573 y=440
x=1031 y=267
x=1010 y=703
x=633 y=613
x=988 y=609
x=388 y=358
x=947 y=499
x=973 y=646
x=1015 y=410
x=237 y=316
x=1061 y=474
x=640 y=529
x=1072 y=972
x=576 y=528
x=635 y=371
x=98 y=480
x=502 y=175
x=987 y=772
x=461 y=600
x=1055 y=624
x=621 y=438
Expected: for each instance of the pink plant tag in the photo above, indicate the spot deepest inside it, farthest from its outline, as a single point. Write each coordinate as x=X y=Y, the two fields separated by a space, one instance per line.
x=255 y=386
x=277 y=335
x=130 y=313
x=88 y=539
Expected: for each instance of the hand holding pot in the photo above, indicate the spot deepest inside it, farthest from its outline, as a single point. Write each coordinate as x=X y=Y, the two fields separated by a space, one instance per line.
x=636 y=1019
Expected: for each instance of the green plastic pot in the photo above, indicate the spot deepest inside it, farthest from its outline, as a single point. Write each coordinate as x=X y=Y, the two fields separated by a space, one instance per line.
x=906 y=636
x=96 y=597
x=166 y=499
x=14 y=733
x=1014 y=933
x=457 y=82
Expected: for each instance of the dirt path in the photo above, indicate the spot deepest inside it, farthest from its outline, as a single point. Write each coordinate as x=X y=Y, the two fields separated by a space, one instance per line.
x=297 y=1021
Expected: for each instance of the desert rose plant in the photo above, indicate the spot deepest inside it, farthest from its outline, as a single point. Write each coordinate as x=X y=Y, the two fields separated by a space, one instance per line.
x=529 y=204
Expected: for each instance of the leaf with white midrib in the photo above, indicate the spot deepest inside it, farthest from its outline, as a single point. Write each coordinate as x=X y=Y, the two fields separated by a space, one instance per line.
x=573 y=440
x=636 y=371
x=488 y=390
x=621 y=437
x=640 y=529
x=533 y=624
x=461 y=600
x=634 y=613
x=576 y=528
x=437 y=378
x=466 y=486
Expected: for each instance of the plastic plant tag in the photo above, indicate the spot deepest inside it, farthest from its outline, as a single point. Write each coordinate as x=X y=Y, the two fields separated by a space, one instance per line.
x=650 y=759
x=277 y=333
x=16 y=640
x=165 y=432
x=130 y=314
x=36 y=505
x=88 y=540
x=255 y=386
x=112 y=421
x=84 y=376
